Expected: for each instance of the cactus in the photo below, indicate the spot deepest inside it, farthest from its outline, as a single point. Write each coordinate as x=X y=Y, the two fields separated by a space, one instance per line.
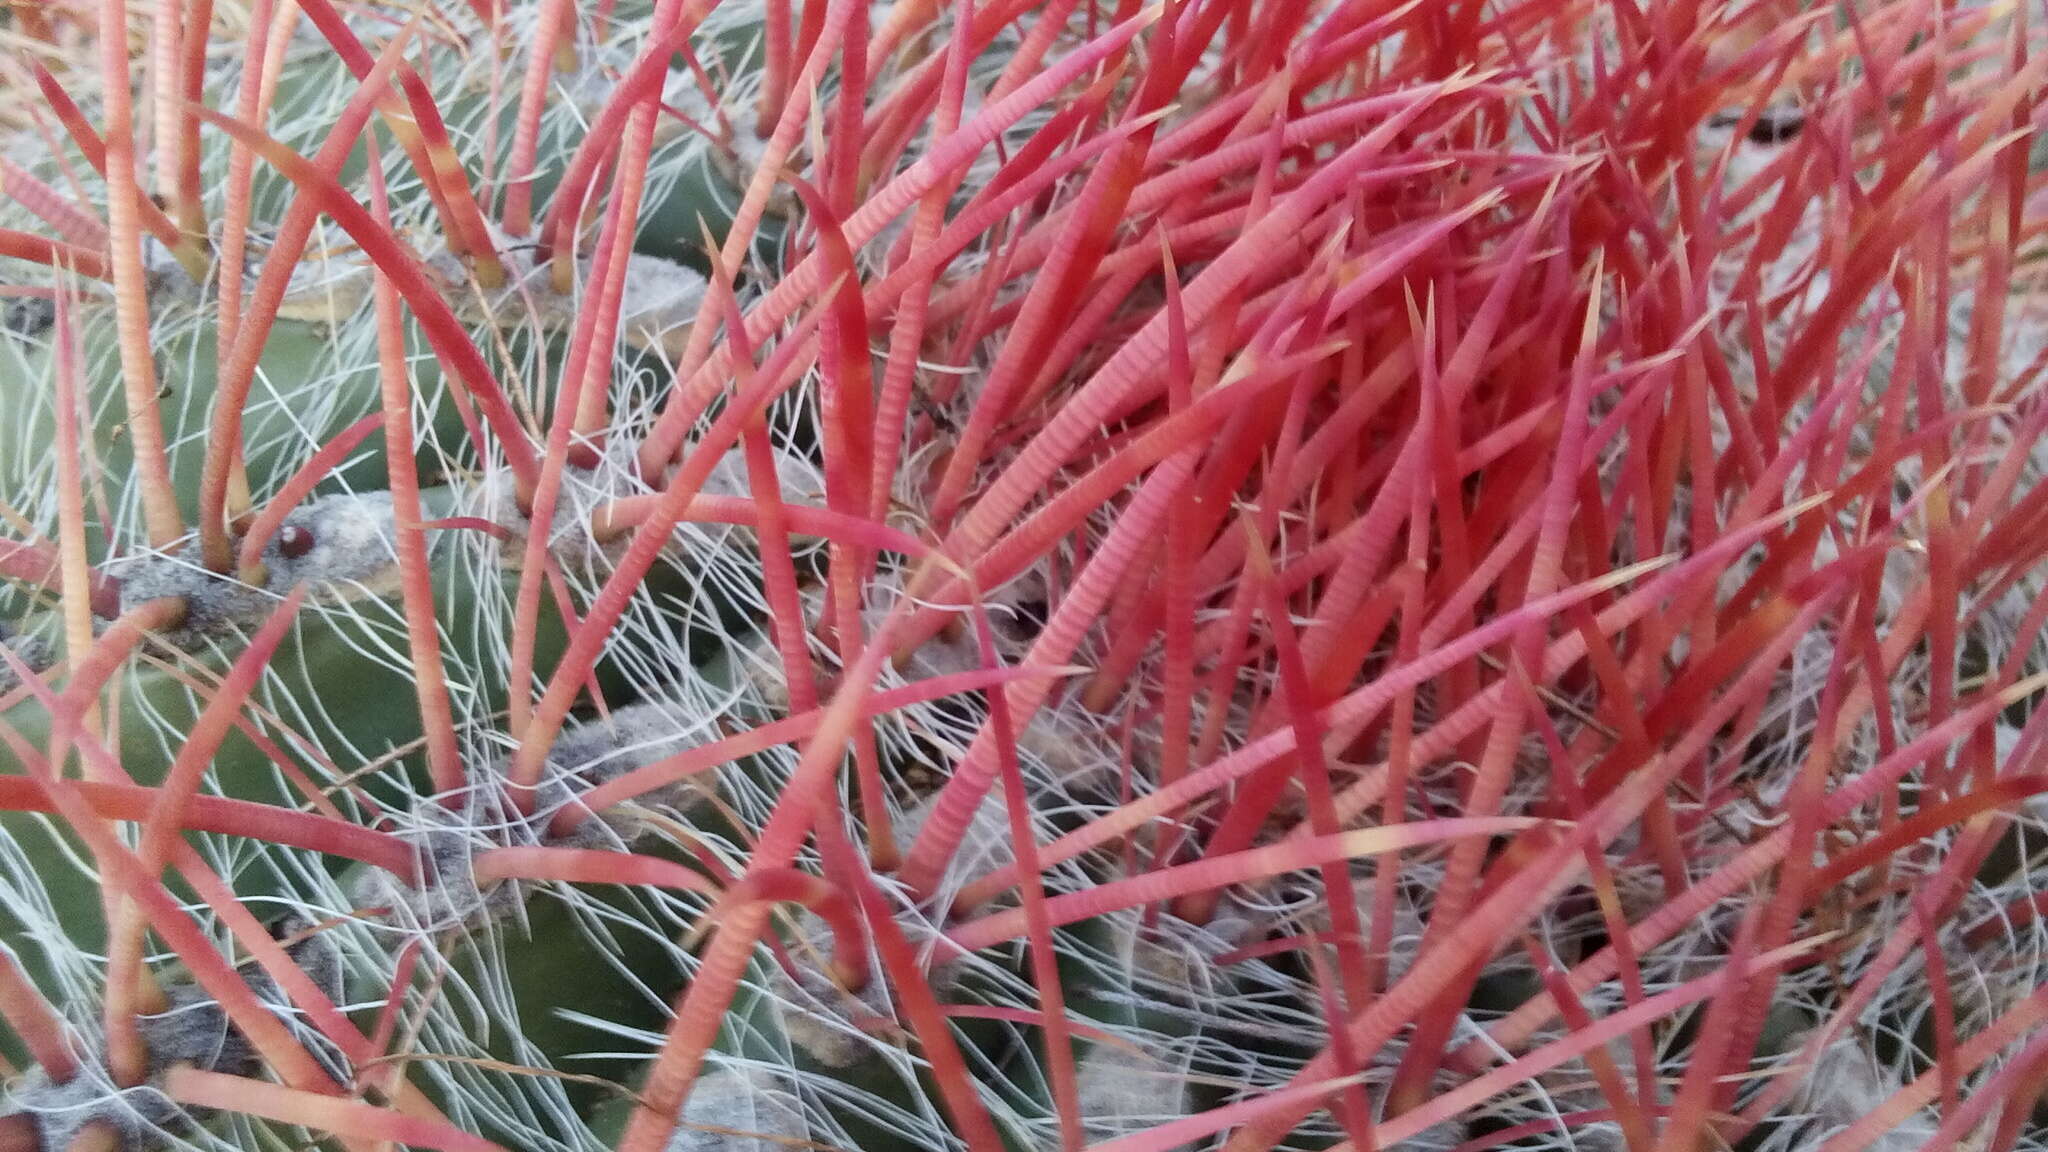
x=756 y=575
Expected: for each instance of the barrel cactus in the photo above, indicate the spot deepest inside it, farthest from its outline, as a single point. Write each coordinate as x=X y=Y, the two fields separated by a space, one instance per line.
x=752 y=574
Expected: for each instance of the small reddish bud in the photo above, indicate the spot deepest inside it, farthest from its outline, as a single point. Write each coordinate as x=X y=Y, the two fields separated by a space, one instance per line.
x=294 y=541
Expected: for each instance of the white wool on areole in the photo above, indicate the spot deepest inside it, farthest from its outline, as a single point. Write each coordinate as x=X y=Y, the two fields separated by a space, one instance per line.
x=449 y=831
x=343 y=545
x=742 y=1108
x=822 y=1017
x=584 y=492
x=1126 y=1091
x=190 y=1030
x=33 y=649
x=658 y=299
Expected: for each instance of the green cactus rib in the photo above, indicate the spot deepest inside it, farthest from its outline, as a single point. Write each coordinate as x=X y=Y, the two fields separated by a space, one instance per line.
x=554 y=974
